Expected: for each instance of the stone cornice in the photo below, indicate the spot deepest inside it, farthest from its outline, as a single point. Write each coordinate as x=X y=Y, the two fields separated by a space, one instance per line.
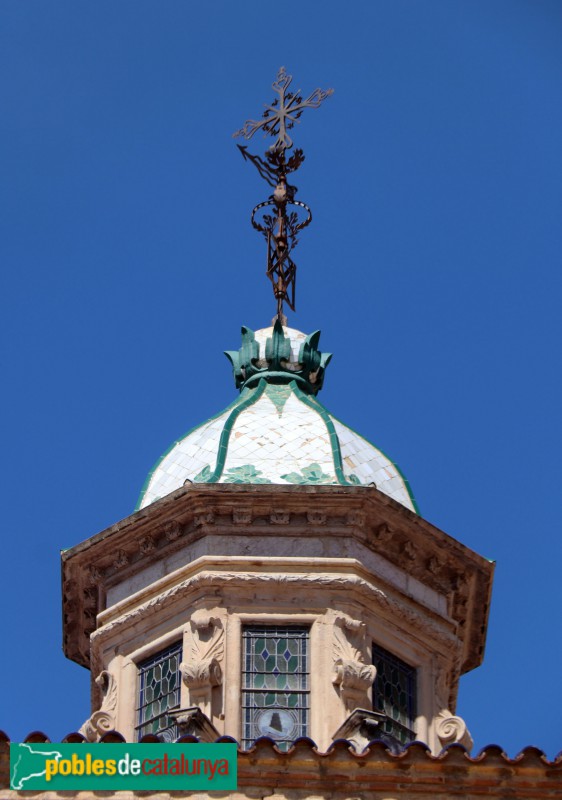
x=384 y=526
x=287 y=574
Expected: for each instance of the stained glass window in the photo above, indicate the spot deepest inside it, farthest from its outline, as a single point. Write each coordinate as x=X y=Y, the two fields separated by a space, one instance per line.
x=394 y=692
x=159 y=693
x=275 y=684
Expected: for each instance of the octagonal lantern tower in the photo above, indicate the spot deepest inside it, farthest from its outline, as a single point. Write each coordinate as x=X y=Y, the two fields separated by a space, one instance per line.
x=276 y=578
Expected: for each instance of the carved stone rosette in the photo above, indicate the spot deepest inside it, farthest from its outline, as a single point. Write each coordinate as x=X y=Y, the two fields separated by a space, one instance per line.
x=351 y=674
x=102 y=720
x=202 y=671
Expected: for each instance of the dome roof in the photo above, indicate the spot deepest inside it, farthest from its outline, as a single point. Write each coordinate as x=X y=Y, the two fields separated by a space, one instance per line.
x=276 y=431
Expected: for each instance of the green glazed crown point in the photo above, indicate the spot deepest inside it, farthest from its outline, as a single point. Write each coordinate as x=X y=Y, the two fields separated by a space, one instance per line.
x=270 y=354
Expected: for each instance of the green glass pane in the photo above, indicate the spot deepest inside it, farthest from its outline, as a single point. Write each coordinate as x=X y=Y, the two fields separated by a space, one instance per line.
x=285 y=664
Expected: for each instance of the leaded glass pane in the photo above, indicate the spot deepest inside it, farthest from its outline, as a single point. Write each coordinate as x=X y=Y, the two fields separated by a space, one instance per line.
x=394 y=692
x=275 y=684
x=159 y=693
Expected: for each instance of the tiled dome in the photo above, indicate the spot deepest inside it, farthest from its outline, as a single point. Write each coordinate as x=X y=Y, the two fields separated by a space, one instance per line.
x=276 y=431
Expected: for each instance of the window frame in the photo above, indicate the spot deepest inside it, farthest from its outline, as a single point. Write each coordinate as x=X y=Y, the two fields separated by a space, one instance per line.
x=396 y=727
x=169 y=733
x=252 y=631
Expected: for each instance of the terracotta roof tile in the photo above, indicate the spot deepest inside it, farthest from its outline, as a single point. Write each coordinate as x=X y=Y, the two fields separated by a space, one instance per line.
x=413 y=771
x=412 y=752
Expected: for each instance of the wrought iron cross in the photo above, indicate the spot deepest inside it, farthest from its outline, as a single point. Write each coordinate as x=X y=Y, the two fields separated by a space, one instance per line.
x=279 y=224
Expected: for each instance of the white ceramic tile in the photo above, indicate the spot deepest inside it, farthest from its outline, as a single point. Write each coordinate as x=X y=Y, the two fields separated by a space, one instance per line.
x=372 y=465
x=276 y=444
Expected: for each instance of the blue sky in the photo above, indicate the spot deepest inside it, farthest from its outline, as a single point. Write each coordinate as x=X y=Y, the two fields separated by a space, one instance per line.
x=432 y=267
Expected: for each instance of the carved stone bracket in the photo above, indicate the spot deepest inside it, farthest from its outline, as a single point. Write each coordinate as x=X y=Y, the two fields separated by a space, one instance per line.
x=172 y=530
x=279 y=517
x=203 y=668
x=363 y=726
x=91 y=597
x=242 y=516
x=384 y=533
x=193 y=722
x=316 y=517
x=351 y=674
x=451 y=729
x=102 y=720
x=147 y=545
x=409 y=550
x=95 y=574
x=204 y=518
x=435 y=565
x=355 y=518
x=121 y=559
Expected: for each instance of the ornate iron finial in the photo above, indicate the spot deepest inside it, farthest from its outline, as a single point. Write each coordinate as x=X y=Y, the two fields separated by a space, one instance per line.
x=279 y=225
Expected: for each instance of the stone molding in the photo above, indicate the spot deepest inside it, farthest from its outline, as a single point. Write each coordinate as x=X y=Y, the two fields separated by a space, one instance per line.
x=207 y=579
x=363 y=513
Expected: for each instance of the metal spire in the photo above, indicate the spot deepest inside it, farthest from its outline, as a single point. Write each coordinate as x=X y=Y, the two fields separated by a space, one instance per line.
x=281 y=217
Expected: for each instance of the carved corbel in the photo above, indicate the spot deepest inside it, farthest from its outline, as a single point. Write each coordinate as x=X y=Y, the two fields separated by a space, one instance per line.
x=384 y=533
x=202 y=671
x=172 y=530
x=192 y=722
x=356 y=518
x=147 y=545
x=451 y=729
x=351 y=674
x=279 y=517
x=204 y=517
x=363 y=726
x=410 y=550
x=121 y=559
x=242 y=516
x=102 y=720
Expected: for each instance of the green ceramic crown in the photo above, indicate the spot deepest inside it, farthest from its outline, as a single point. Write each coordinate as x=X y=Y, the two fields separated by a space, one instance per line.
x=277 y=366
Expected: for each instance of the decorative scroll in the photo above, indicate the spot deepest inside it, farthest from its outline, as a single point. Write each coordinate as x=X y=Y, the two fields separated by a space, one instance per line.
x=353 y=677
x=102 y=720
x=451 y=729
x=202 y=671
